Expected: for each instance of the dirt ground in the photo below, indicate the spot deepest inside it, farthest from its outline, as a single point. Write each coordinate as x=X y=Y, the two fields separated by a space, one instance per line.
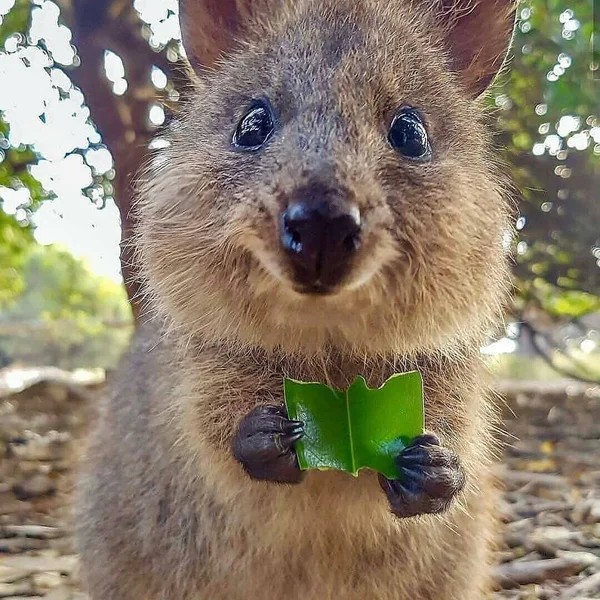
x=551 y=470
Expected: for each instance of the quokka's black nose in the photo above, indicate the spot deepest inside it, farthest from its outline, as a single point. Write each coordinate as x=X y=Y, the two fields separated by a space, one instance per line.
x=320 y=238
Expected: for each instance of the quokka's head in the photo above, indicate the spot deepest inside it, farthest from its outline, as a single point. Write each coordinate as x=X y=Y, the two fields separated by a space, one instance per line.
x=330 y=180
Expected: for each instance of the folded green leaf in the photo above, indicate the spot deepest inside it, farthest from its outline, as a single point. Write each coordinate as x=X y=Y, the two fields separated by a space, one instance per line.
x=357 y=428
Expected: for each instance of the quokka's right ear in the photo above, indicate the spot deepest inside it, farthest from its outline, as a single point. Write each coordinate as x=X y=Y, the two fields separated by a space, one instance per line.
x=478 y=34
x=211 y=28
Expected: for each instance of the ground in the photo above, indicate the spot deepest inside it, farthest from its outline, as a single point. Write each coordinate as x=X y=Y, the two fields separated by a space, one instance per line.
x=551 y=472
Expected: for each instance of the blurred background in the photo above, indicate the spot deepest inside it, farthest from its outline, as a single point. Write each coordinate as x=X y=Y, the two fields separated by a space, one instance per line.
x=86 y=87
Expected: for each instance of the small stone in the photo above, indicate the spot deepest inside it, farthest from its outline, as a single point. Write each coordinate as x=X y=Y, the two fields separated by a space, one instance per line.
x=39 y=564
x=9 y=590
x=41 y=532
x=557 y=414
x=588 y=587
x=587 y=511
x=13 y=507
x=11 y=574
x=34 y=487
x=556 y=538
x=46 y=448
x=47 y=581
x=17 y=545
x=537 y=571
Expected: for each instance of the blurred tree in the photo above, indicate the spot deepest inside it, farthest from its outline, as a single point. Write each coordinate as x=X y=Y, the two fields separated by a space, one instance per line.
x=120 y=105
x=15 y=238
x=549 y=129
x=547 y=116
x=101 y=26
x=77 y=318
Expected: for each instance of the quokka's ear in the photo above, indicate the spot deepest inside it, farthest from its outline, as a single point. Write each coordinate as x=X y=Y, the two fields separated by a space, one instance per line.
x=210 y=28
x=478 y=34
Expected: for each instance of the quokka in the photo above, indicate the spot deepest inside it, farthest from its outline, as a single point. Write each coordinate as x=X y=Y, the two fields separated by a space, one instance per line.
x=328 y=207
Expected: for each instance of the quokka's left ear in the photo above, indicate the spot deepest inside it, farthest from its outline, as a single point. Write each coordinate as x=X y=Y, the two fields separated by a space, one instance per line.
x=478 y=34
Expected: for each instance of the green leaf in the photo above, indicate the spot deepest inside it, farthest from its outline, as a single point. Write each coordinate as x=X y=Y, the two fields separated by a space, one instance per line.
x=357 y=428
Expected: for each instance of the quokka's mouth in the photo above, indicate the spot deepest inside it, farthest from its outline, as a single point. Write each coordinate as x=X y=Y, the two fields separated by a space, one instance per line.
x=315 y=289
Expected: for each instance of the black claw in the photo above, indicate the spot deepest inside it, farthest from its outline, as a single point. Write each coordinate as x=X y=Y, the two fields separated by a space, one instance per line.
x=427 y=439
x=293 y=427
x=431 y=476
x=288 y=440
x=263 y=444
x=413 y=454
x=433 y=456
x=413 y=474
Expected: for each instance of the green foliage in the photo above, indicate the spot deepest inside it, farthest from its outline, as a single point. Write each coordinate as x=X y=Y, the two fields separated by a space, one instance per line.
x=16 y=20
x=548 y=112
x=65 y=315
x=15 y=236
x=530 y=368
x=14 y=241
x=572 y=304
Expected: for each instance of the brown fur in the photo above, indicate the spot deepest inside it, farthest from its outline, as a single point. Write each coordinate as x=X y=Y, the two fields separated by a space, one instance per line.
x=165 y=511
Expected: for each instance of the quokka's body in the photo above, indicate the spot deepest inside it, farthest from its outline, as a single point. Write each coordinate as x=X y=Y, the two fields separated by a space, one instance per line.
x=308 y=117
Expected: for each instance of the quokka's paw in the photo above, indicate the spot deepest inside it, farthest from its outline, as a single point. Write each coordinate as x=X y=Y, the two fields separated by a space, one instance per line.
x=264 y=445
x=431 y=477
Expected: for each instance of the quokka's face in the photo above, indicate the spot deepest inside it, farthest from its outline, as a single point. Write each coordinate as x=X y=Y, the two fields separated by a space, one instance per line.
x=329 y=181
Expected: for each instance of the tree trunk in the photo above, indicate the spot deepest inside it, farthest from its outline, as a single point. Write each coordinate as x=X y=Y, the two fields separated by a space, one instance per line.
x=97 y=26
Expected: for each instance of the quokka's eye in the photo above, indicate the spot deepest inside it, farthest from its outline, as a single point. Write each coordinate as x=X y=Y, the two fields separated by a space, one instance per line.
x=255 y=128
x=408 y=135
